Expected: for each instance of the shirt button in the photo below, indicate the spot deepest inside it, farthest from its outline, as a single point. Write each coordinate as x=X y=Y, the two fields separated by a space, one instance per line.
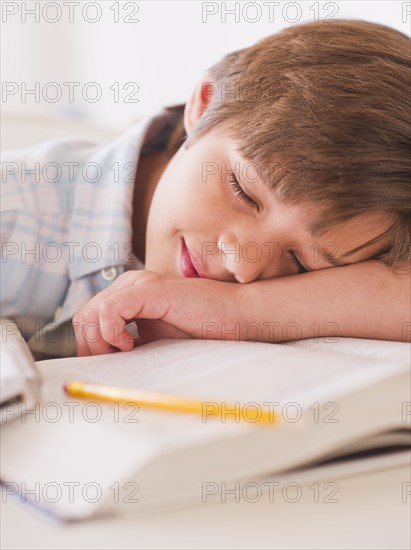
x=109 y=273
x=57 y=313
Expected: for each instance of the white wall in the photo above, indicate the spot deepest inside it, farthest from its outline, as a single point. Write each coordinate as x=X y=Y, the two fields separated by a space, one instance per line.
x=164 y=53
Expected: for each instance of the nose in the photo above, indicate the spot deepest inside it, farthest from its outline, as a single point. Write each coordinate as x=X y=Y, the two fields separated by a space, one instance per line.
x=248 y=261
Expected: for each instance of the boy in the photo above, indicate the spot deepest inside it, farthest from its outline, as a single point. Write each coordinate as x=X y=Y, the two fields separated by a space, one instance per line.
x=287 y=172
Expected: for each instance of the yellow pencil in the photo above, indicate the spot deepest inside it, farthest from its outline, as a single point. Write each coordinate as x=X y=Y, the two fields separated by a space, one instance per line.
x=250 y=412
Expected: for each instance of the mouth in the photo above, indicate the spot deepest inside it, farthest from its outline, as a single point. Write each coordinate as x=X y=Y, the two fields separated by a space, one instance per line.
x=186 y=262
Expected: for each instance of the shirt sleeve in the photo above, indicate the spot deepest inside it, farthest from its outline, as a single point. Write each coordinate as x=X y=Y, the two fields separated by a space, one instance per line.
x=33 y=227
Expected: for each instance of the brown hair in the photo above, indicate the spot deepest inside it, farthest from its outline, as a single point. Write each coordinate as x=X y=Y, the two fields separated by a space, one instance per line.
x=323 y=109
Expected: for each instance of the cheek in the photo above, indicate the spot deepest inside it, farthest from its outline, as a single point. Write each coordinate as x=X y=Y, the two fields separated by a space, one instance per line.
x=174 y=203
x=184 y=195
x=188 y=196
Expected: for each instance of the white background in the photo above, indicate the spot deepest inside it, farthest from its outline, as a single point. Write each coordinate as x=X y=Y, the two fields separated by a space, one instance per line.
x=164 y=54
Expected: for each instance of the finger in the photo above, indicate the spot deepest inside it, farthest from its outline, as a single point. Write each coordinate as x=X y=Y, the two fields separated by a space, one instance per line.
x=147 y=302
x=82 y=348
x=87 y=334
x=88 y=317
x=90 y=340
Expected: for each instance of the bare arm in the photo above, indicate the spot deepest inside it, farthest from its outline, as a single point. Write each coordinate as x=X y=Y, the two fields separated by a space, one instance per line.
x=364 y=300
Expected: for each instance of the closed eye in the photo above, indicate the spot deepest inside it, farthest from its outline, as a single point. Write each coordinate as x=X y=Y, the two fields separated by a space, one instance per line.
x=300 y=267
x=239 y=191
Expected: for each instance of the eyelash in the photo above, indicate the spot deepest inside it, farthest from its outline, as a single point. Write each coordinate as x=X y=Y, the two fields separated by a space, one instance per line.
x=300 y=267
x=239 y=191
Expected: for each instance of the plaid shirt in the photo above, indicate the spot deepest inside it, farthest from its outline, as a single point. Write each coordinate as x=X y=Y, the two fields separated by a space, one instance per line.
x=66 y=228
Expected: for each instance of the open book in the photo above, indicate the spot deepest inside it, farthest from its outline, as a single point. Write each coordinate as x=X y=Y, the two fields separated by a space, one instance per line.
x=78 y=459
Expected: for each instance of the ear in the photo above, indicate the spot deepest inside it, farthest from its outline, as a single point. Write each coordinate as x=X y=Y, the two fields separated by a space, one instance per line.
x=197 y=103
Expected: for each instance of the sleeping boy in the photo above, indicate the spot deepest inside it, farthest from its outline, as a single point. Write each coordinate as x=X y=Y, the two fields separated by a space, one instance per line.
x=274 y=205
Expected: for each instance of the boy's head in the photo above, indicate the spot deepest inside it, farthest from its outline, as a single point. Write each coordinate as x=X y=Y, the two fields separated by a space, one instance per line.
x=315 y=124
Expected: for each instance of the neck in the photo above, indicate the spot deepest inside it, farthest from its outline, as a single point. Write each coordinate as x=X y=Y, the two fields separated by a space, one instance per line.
x=149 y=171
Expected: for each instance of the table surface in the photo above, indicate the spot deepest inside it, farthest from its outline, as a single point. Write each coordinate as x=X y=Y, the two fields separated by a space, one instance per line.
x=373 y=512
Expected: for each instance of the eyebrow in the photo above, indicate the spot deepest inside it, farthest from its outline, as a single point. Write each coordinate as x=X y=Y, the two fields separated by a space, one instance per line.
x=330 y=258
x=327 y=256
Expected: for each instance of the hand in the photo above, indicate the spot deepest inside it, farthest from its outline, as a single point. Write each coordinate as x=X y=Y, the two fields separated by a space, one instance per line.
x=165 y=307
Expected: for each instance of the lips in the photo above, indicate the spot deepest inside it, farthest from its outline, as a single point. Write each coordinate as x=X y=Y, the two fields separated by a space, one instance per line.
x=186 y=262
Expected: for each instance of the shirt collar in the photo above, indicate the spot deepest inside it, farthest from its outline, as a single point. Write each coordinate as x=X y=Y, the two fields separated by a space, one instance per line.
x=101 y=225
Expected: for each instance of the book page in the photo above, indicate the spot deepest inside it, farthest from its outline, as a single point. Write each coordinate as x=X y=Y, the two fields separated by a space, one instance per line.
x=364 y=347
x=242 y=371
x=19 y=379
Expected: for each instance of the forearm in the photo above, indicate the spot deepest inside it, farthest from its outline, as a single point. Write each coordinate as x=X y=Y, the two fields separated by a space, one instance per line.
x=364 y=300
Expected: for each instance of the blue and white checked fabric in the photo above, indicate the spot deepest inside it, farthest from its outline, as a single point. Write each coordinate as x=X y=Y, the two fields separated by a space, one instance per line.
x=66 y=229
